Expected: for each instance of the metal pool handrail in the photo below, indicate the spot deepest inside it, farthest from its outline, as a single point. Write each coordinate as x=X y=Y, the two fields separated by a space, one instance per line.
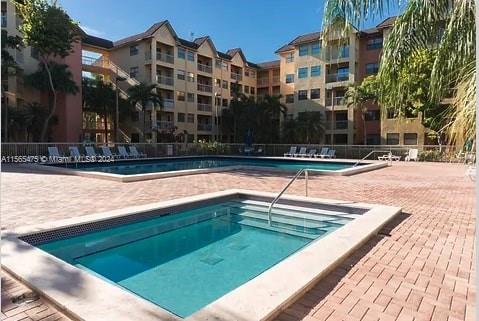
x=372 y=152
x=276 y=199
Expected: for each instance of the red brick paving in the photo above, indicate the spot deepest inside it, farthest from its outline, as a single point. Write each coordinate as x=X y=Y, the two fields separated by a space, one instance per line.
x=423 y=270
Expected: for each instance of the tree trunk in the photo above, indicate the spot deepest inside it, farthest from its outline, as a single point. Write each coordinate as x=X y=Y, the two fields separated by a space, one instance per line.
x=53 y=106
x=365 y=135
x=105 y=123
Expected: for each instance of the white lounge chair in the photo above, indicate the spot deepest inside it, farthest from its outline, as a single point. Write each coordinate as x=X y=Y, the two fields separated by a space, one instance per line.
x=292 y=151
x=412 y=155
x=302 y=152
x=323 y=153
x=134 y=152
x=74 y=152
x=122 y=152
x=386 y=157
x=331 y=153
x=53 y=152
x=311 y=153
x=90 y=151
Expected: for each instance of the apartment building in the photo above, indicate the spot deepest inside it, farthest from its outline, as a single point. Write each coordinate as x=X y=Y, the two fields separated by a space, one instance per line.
x=16 y=94
x=194 y=79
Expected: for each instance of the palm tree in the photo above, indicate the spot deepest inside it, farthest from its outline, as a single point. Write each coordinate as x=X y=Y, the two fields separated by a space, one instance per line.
x=144 y=94
x=448 y=26
x=310 y=127
x=273 y=109
x=357 y=96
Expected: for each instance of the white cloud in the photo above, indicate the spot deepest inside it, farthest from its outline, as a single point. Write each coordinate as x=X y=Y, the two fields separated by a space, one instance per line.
x=92 y=31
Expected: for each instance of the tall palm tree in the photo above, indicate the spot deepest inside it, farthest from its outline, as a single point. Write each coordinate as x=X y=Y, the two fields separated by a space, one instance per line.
x=356 y=98
x=145 y=94
x=273 y=109
x=447 y=25
x=310 y=127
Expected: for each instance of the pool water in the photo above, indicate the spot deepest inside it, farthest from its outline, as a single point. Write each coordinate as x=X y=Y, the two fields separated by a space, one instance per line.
x=186 y=260
x=175 y=164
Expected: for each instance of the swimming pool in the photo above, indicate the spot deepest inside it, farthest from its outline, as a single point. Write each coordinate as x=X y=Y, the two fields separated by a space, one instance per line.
x=207 y=257
x=135 y=170
x=184 y=261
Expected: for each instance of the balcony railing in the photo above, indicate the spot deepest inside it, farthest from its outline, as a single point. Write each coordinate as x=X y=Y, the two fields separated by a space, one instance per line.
x=164 y=80
x=341 y=124
x=263 y=81
x=168 y=103
x=205 y=68
x=275 y=79
x=337 y=77
x=236 y=76
x=205 y=88
x=162 y=124
x=338 y=53
x=204 y=107
x=205 y=127
x=162 y=56
x=338 y=101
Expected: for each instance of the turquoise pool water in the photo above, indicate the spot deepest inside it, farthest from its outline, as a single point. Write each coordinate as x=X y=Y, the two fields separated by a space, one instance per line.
x=184 y=261
x=176 y=164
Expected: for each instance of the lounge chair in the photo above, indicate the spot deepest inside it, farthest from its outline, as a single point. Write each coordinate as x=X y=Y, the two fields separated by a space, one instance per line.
x=53 y=152
x=331 y=153
x=323 y=153
x=292 y=151
x=74 y=152
x=311 y=153
x=107 y=152
x=122 y=152
x=412 y=155
x=302 y=152
x=90 y=151
x=134 y=152
x=386 y=157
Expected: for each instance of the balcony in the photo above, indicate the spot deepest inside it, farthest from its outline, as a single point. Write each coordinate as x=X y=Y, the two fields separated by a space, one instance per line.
x=164 y=80
x=204 y=107
x=162 y=56
x=338 y=53
x=205 y=88
x=236 y=76
x=275 y=79
x=205 y=68
x=338 y=101
x=338 y=125
x=168 y=103
x=162 y=124
x=205 y=127
x=337 y=77
x=263 y=82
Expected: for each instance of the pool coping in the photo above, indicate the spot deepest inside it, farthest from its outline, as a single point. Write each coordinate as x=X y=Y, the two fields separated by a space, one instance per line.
x=274 y=290
x=368 y=166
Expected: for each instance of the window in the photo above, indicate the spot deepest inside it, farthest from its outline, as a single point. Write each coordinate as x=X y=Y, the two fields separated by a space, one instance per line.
x=181 y=53
x=180 y=74
x=135 y=137
x=252 y=74
x=251 y=91
x=316 y=49
x=180 y=95
x=191 y=118
x=190 y=97
x=135 y=116
x=218 y=63
x=289 y=78
x=374 y=43
x=218 y=82
x=224 y=65
x=303 y=72
x=134 y=71
x=315 y=71
x=392 y=139
x=225 y=84
x=290 y=57
x=372 y=115
x=181 y=117
x=191 y=56
x=303 y=50
x=225 y=102
x=246 y=73
x=191 y=77
x=373 y=139
x=289 y=99
x=246 y=89
x=34 y=53
x=133 y=50
x=302 y=94
x=315 y=93
x=410 y=139
x=372 y=68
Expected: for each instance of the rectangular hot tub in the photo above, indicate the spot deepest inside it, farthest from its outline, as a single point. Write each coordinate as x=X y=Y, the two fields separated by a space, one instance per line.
x=198 y=257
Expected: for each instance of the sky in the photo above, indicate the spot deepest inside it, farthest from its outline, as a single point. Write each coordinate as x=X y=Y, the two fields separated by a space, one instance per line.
x=257 y=27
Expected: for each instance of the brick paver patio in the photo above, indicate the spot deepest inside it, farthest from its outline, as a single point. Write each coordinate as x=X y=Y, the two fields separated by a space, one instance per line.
x=421 y=267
